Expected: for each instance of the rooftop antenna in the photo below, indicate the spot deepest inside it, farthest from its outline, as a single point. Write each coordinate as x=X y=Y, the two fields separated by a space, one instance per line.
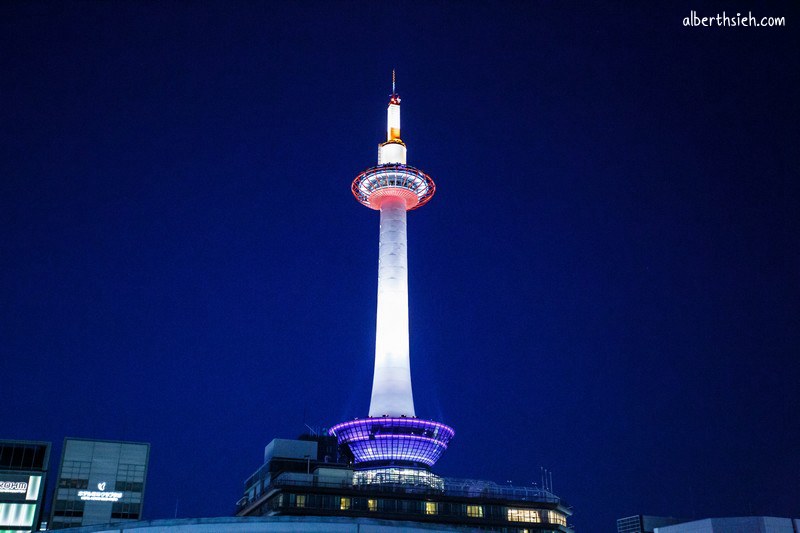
x=393 y=82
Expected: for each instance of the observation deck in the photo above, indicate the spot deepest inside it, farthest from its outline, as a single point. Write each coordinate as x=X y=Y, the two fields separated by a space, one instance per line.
x=377 y=442
x=376 y=183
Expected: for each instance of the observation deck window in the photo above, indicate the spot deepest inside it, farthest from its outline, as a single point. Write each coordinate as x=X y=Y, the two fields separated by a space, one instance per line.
x=475 y=511
x=523 y=515
x=554 y=517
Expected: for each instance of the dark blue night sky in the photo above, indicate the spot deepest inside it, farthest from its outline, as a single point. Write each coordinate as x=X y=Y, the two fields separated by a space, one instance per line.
x=606 y=284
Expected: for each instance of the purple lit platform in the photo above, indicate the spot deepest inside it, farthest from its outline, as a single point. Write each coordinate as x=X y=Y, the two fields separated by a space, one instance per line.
x=399 y=441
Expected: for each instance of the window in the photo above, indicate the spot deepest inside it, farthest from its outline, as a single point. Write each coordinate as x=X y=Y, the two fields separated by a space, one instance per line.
x=68 y=508
x=125 y=510
x=554 y=517
x=523 y=515
x=431 y=508
x=344 y=504
x=129 y=486
x=300 y=500
x=475 y=511
x=372 y=505
x=18 y=456
x=72 y=483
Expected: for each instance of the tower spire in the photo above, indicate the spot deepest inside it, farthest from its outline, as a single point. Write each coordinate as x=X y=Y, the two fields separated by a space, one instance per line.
x=393 y=151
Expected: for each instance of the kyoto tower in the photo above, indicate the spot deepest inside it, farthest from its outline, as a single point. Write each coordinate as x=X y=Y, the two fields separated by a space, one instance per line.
x=392 y=441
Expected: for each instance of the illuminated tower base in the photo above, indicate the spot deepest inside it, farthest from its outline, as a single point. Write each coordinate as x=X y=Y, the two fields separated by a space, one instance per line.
x=392 y=442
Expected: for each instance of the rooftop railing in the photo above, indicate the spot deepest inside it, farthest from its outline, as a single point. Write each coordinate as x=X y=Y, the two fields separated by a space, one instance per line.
x=462 y=488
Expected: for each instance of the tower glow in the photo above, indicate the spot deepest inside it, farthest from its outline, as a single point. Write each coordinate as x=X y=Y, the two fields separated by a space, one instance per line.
x=392 y=435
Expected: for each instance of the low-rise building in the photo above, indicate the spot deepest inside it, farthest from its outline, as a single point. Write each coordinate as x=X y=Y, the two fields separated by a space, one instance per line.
x=23 y=476
x=295 y=481
x=99 y=482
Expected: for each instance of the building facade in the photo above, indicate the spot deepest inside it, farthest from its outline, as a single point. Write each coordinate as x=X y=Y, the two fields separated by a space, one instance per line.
x=99 y=482
x=298 y=479
x=738 y=524
x=23 y=475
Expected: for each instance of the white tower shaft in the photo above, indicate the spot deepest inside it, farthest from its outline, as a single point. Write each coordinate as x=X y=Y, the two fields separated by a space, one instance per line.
x=391 y=385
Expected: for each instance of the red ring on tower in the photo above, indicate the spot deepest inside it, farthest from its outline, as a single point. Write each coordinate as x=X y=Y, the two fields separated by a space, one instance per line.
x=376 y=184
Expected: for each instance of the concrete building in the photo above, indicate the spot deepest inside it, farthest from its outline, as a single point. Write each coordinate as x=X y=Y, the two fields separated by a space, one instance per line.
x=23 y=476
x=743 y=524
x=99 y=482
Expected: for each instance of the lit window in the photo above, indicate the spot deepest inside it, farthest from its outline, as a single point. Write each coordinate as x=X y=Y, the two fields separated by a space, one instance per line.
x=301 y=500
x=431 y=508
x=344 y=504
x=475 y=511
x=554 y=517
x=523 y=515
x=372 y=505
